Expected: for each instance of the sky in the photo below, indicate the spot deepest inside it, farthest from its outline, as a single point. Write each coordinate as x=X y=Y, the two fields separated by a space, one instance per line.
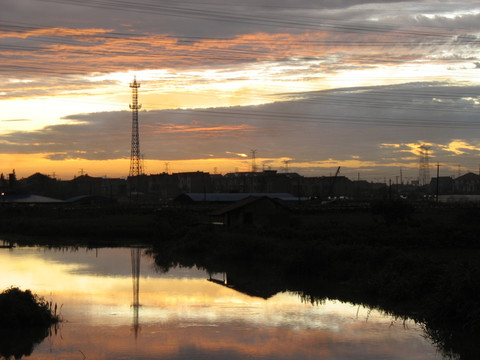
x=307 y=86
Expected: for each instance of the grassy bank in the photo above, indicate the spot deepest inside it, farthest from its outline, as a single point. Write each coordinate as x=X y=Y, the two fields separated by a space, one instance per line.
x=77 y=226
x=423 y=265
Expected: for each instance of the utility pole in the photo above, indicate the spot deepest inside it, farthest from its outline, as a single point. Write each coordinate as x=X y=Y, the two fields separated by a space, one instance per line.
x=438 y=179
x=390 y=189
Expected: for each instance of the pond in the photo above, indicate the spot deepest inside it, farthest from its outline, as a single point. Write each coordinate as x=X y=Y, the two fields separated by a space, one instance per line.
x=116 y=304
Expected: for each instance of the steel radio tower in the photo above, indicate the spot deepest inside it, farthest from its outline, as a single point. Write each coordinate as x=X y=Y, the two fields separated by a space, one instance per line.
x=136 y=167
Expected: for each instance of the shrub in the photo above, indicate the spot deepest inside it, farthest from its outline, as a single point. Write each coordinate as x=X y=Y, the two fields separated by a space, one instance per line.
x=23 y=309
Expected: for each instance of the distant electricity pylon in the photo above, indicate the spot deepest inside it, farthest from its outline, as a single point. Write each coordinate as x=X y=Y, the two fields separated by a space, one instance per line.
x=424 y=165
x=254 y=165
x=136 y=167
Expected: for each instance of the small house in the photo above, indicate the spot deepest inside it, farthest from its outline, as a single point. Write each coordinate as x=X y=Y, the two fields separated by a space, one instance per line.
x=254 y=211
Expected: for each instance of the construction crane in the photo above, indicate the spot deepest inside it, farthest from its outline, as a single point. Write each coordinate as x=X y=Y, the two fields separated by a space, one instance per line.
x=332 y=183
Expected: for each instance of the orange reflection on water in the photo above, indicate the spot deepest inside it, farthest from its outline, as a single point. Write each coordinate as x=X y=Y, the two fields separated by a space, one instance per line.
x=184 y=316
x=176 y=340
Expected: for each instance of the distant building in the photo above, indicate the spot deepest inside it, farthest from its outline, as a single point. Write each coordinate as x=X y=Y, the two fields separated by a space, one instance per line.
x=459 y=198
x=254 y=211
x=197 y=182
x=157 y=188
x=325 y=186
x=268 y=181
x=445 y=185
x=88 y=185
x=12 y=180
x=39 y=184
x=163 y=186
x=467 y=184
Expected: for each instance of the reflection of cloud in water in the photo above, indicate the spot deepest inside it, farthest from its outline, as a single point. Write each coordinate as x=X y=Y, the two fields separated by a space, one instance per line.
x=114 y=262
x=184 y=317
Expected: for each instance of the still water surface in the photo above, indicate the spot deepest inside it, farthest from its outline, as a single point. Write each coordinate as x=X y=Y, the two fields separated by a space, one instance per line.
x=182 y=315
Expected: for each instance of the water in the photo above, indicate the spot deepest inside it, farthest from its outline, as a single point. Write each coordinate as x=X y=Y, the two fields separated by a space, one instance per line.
x=182 y=315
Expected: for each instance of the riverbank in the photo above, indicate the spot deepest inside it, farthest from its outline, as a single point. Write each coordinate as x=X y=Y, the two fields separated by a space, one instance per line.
x=420 y=263
x=423 y=265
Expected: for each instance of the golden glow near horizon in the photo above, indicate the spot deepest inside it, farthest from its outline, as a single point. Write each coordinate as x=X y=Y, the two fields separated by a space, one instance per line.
x=29 y=165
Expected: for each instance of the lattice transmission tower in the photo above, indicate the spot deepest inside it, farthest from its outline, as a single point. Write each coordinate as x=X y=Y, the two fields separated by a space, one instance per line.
x=136 y=166
x=424 y=165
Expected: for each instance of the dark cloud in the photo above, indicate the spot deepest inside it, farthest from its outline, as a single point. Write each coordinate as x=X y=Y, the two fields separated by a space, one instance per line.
x=209 y=18
x=51 y=37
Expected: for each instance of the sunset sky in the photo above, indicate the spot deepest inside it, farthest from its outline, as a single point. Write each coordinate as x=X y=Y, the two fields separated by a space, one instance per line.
x=318 y=83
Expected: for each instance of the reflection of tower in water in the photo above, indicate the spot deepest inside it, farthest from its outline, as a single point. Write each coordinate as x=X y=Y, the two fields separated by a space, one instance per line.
x=135 y=255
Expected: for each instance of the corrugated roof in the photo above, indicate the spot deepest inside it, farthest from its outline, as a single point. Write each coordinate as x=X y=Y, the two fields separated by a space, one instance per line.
x=31 y=199
x=232 y=197
x=242 y=203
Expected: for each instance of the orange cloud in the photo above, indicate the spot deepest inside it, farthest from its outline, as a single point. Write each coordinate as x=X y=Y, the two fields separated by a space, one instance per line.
x=204 y=130
x=56 y=31
x=112 y=53
x=458 y=147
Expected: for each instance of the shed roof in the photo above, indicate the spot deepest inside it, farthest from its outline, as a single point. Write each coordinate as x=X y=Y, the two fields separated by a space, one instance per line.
x=244 y=202
x=31 y=199
x=86 y=199
x=232 y=197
